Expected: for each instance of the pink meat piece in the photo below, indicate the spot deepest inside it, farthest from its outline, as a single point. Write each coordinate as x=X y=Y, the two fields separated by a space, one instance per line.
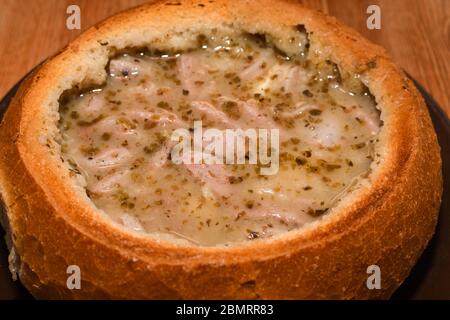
x=161 y=117
x=94 y=106
x=108 y=125
x=251 y=116
x=206 y=109
x=107 y=161
x=258 y=67
x=256 y=117
x=285 y=214
x=194 y=76
x=109 y=183
x=160 y=157
x=291 y=78
x=122 y=131
x=150 y=94
x=214 y=177
x=284 y=208
x=300 y=109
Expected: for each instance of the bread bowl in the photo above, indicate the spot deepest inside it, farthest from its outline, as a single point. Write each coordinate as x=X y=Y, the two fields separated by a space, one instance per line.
x=385 y=219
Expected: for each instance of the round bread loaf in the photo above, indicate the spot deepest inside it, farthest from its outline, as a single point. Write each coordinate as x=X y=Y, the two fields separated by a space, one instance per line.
x=52 y=223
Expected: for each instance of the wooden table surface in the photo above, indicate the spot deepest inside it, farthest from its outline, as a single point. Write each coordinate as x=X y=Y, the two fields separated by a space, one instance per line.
x=415 y=32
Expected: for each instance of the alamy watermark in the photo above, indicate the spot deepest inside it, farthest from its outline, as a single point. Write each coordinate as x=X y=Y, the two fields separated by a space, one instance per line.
x=74 y=278
x=73 y=21
x=230 y=146
x=374 y=20
x=374 y=279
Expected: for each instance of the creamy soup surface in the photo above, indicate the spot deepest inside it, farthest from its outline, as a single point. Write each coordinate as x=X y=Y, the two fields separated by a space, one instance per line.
x=118 y=137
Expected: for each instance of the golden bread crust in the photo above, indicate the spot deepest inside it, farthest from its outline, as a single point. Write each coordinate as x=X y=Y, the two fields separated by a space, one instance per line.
x=387 y=222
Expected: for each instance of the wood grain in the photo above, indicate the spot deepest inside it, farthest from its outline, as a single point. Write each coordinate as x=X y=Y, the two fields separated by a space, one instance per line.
x=415 y=32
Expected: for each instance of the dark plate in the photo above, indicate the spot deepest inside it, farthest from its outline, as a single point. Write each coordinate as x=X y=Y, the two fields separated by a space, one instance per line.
x=429 y=278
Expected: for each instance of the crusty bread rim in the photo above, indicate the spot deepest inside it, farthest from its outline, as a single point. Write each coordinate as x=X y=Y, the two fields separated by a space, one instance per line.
x=407 y=143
